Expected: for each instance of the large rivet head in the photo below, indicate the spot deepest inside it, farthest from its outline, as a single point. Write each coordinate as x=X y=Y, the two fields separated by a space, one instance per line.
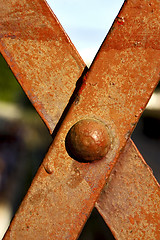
x=88 y=140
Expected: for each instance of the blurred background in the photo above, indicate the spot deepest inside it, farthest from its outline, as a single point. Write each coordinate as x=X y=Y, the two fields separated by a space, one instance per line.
x=22 y=147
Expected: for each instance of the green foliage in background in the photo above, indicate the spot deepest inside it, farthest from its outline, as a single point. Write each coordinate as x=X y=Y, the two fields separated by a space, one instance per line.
x=10 y=90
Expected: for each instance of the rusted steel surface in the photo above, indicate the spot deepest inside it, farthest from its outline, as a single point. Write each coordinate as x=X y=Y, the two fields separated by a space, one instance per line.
x=130 y=201
x=115 y=90
x=88 y=140
x=40 y=55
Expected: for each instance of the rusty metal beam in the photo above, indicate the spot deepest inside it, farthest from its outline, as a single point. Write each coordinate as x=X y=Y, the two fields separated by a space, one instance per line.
x=65 y=187
x=129 y=203
x=40 y=54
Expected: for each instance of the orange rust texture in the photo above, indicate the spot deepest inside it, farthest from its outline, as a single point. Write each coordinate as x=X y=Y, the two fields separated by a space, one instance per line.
x=116 y=90
x=127 y=64
x=130 y=201
x=40 y=55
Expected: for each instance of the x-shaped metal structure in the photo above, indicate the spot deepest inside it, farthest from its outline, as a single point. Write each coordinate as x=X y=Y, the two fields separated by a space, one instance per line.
x=115 y=90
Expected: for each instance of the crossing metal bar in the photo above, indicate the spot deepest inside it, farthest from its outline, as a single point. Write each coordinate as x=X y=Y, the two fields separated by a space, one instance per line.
x=115 y=90
x=130 y=201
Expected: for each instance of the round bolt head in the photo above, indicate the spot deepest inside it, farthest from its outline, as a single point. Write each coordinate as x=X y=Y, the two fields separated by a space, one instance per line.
x=88 y=140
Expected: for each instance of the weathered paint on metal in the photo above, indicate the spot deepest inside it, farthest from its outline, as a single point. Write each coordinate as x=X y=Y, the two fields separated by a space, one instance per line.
x=115 y=91
x=130 y=201
x=40 y=54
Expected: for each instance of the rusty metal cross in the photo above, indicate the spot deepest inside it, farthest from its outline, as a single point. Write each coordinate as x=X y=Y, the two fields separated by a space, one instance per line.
x=115 y=90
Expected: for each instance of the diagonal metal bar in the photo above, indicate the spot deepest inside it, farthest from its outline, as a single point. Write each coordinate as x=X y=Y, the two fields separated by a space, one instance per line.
x=87 y=178
x=40 y=54
x=130 y=201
